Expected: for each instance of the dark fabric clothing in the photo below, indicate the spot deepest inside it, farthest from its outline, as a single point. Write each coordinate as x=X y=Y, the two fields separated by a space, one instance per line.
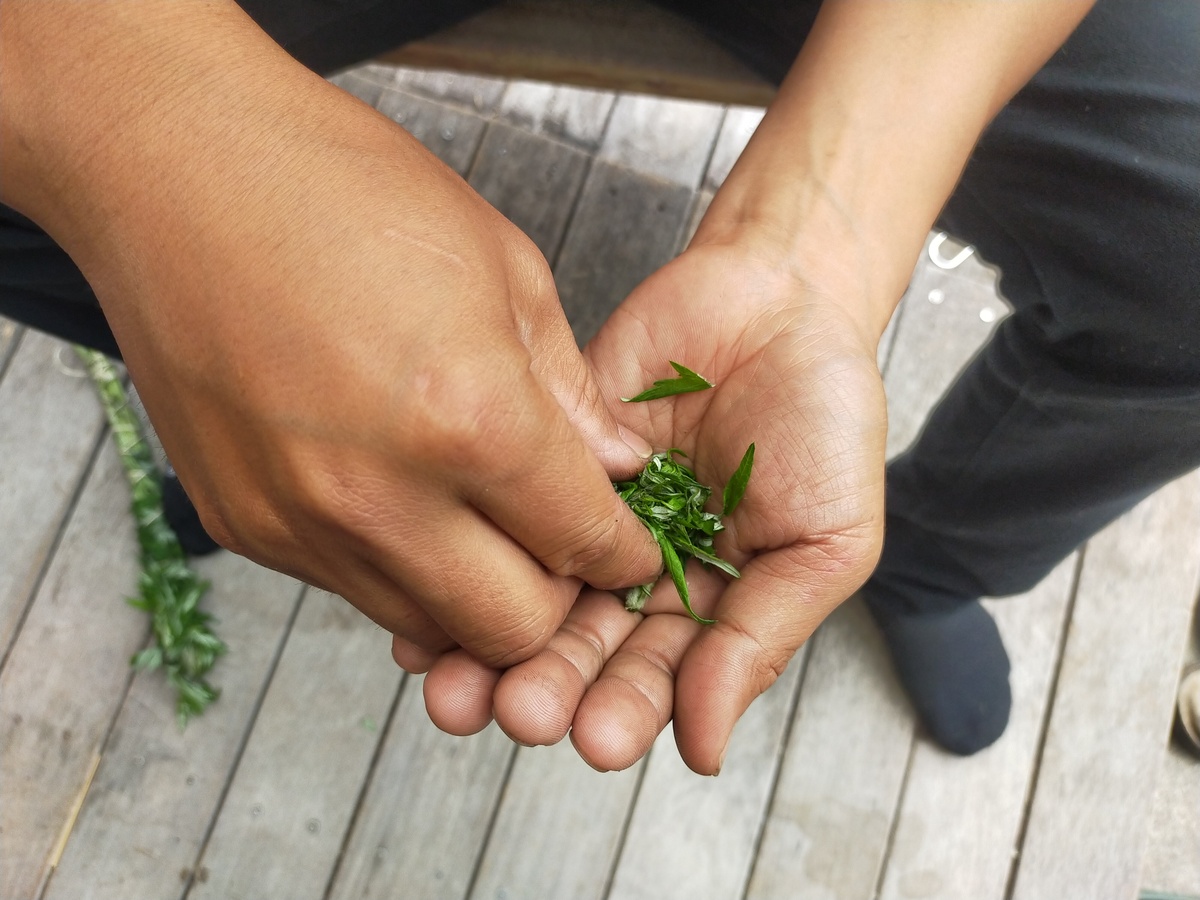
x=1085 y=191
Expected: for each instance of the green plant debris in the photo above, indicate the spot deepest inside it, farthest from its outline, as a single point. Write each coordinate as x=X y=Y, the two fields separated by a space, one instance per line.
x=168 y=590
x=687 y=382
x=670 y=502
x=736 y=487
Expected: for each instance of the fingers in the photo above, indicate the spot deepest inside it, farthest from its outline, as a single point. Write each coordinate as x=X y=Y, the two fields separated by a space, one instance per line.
x=762 y=619
x=488 y=594
x=545 y=488
x=632 y=700
x=458 y=693
x=535 y=701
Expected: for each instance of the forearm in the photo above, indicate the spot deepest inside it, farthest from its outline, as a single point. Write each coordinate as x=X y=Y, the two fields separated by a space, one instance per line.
x=117 y=118
x=870 y=132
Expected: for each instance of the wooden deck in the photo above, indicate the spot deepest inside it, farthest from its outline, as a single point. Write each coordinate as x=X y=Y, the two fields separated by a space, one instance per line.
x=317 y=775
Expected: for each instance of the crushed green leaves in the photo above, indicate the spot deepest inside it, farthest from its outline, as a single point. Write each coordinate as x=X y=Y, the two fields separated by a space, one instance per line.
x=670 y=502
x=185 y=646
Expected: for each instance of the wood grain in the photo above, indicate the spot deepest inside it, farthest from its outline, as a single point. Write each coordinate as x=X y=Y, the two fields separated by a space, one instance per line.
x=960 y=820
x=558 y=828
x=47 y=415
x=66 y=676
x=1112 y=710
x=692 y=836
x=158 y=788
x=427 y=810
x=288 y=809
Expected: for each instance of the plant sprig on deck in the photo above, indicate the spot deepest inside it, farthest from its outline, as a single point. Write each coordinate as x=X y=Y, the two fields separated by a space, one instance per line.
x=168 y=590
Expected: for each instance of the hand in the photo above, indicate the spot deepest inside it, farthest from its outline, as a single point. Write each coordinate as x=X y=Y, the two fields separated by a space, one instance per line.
x=795 y=375
x=359 y=369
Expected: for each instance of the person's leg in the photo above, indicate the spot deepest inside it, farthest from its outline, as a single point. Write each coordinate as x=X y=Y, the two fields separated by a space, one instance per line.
x=1086 y=192
x=40 y=286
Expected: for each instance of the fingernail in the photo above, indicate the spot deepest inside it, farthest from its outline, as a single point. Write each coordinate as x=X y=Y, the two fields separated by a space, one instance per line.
x=635 y=442
x=721 y=762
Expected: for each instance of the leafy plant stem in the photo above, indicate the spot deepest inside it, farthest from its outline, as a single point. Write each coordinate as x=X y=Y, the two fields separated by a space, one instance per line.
x=168 y=590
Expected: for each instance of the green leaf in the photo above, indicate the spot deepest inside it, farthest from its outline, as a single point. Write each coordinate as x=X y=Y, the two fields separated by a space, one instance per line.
x=687 y=382
x=736 y=486
x=675 y=568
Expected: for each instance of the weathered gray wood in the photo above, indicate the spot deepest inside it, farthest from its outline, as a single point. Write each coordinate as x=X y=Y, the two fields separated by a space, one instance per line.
x=427 y=809
x=937 y=338
x=960 y=819
x=480 y=94
x=67 y=672
x=736 y=131
x=531 y=179
x=285 y=816
x=1112 y=708
x=9 y=336
x=827 y=832
x=696 y=837
x=452 y=134
x=634 y=205
x=1172 y=864
x=47 y=417
x=574 y=115
x=157 y=789
x=558 y=829
x=827 y=829
x=668 y=139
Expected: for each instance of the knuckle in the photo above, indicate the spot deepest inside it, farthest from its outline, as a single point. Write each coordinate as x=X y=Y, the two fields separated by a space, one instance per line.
x=515 y=643
x=586 y=548
x=461 y=413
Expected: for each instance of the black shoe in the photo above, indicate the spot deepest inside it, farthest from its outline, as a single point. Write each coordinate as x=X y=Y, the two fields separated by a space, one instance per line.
x=953 y=666
x=181 y=515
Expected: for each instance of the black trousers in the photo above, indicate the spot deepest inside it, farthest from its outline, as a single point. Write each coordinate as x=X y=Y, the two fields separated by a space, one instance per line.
x=1085 y=191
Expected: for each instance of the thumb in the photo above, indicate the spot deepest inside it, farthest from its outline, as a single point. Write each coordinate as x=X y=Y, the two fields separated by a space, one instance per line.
x=563 y=371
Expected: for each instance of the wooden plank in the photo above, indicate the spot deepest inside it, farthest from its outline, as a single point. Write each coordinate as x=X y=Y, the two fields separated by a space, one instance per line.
x=558 y=829
x=634 y=206
x=67 y=672
x=736 y=131
x=289 y=806
x=574 y=115
x=10 y=333
x=427 y=809
x=531 y=179
x=961 y=817
x=476 y=93
x=697 y=837
x=157 y=790
x=827 y=833
x=667 y=139
x=949 y=316
x=1172 y=864
x=827 y=830
x=453 y=135
x=1112 y=709
x=47 y=415
x=617 y=44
